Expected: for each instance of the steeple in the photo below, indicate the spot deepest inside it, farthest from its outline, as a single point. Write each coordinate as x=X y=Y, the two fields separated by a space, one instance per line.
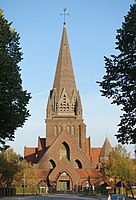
x=105 y=151
x=64 y=108
x=64 y=76
x=64 y=99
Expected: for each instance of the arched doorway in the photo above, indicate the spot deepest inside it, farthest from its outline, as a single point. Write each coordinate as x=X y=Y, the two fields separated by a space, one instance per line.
x=64 y=181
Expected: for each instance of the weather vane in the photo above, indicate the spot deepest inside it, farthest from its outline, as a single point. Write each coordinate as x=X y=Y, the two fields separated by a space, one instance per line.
x=64 y=14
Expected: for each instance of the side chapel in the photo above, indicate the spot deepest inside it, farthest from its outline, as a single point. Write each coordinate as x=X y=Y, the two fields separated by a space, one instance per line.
x=65 y=159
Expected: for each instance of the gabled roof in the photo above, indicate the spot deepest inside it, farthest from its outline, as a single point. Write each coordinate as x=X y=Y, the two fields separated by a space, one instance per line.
x=63 y=137
x=106 y=149
x=64 y=76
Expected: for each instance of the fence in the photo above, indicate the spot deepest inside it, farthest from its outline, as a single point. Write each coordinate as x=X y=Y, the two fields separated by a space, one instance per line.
x=7 y=192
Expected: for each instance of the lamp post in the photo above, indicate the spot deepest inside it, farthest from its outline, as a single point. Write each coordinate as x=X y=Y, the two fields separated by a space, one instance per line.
x=24 y=184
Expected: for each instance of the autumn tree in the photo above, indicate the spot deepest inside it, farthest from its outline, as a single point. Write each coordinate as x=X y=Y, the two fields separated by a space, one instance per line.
x=13 y=99
x=9 y=166
x=26 y=175
x=15 y=171
x=120 y=166
x=119 y=83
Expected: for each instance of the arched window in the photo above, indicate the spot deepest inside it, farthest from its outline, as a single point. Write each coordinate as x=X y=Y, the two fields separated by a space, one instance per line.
x=80 y=136
x=64 y=102
x=54 y=103
x=67 y=107
x=68 y=129
x=72 y=130
x=51 y=164
x=64 y=151
x=61 y=107
x=63 y=174
x=72 y=107
x=59 y=129
x=77 y=164
x=55 y=130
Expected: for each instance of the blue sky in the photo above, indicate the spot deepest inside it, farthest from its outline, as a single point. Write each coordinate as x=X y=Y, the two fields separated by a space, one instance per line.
x=91 y=29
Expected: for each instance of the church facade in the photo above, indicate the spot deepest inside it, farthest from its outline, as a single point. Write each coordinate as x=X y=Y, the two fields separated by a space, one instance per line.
x=65 y=159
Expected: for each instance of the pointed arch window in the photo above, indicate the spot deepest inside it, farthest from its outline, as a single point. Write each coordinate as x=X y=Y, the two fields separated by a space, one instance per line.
x=61 y=107
x=77 y=164
x=51 y=164
x=54 y=103
x=55 y=130
x=72 y=107
x=68 y=129
x=59 y=129
x=64 y=102
x=63 y=174
x=67 y=107
x=64 y=151
x=72 y=130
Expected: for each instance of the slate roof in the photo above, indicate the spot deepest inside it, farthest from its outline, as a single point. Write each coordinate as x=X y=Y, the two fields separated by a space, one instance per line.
x=64 y=76
x=106 y=149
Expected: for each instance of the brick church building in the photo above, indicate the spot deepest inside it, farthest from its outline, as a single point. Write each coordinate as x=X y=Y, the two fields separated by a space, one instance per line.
x=65 y=159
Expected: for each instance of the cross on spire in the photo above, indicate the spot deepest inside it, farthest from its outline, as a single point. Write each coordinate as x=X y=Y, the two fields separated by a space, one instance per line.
x=64 y=14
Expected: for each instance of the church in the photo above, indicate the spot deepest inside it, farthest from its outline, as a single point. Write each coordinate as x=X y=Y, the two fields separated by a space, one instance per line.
x=65 y=160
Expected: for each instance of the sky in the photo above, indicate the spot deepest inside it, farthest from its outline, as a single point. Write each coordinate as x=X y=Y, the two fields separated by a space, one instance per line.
x=91 y=28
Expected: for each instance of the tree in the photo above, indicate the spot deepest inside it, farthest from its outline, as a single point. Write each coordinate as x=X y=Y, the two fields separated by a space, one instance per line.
x=15 y=171
x=13 y=99
x=119 y=83
x=26 y=178
x=26 y=175
x=9 y=166
x=120 y=166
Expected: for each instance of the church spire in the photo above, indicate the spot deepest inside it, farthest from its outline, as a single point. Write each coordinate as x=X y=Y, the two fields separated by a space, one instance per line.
x=64 y=108
x=64 y=76
x=64 y=98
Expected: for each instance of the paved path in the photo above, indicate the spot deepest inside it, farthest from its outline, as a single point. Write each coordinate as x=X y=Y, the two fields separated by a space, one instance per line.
x=51 y=197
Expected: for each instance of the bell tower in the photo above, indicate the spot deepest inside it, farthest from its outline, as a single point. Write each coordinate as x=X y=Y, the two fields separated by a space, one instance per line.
x=64 y=108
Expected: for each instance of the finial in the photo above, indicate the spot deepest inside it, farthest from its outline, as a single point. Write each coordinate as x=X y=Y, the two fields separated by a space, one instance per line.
x=64 y=15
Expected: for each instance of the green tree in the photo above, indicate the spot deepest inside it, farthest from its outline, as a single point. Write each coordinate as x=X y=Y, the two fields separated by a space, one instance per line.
x=13 y=99
x=119 y=83
x=14 y=171
x=26 y=175
x=26 y=178
x=9 y=166
x=120 y=166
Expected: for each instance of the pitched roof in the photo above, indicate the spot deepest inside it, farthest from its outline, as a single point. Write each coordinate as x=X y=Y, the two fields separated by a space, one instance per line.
x=95 y=152
x=59 y=140
x=41 y=143
x=92 y=173
x=30 y=150
x=29 y=154
x=64 y=76
x=106 y=149
x=41 y=173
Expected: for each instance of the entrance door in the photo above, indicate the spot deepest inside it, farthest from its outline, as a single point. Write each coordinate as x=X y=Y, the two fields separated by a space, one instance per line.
x=64 y=185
